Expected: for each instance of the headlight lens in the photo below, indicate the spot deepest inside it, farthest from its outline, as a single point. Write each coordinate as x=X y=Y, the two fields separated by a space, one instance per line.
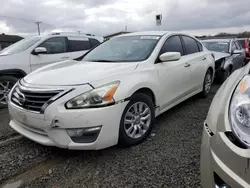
x=239 y=112
x=101 y=96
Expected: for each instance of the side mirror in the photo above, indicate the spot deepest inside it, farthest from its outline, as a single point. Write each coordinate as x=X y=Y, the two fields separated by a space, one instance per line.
x=236 y=52
x=40 y=50
x=170 y=56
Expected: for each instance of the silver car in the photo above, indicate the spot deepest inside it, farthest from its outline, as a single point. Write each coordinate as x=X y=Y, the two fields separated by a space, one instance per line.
x=225 y=149
x=229 y=56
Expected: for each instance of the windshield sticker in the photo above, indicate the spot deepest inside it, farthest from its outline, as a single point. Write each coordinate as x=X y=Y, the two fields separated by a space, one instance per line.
x=222 y=43
x=78 y=38
x=150 y=37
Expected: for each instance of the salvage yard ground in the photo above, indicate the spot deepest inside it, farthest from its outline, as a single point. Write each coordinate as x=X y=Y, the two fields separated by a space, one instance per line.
x=169 y=158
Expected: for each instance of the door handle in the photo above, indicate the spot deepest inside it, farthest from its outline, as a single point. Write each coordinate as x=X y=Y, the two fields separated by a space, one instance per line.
x=66 y=57
x=187 y=65
x=204 y=58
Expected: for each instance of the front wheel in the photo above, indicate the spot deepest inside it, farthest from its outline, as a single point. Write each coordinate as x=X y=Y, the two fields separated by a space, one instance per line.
x=207 y=83
x=6 y=83
x=137 y=120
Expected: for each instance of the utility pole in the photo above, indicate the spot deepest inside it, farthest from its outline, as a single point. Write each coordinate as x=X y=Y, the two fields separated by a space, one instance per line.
x=125 y=28
x=38 y=27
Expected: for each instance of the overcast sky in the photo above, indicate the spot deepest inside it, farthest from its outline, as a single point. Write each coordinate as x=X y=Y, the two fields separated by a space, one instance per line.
x=102 y=17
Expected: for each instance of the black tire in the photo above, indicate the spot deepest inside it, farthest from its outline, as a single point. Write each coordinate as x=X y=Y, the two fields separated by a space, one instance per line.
x=124 y=139
x=224 y=75
x=204 y=92
x=4 y=79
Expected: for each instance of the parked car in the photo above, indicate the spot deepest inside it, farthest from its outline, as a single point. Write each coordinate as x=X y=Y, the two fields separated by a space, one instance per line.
x=226 y=135
x=114 y=94
x=245 y=45
x=27 y=55
x=229 y=56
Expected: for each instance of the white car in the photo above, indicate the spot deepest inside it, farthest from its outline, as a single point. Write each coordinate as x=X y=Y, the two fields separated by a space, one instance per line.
x=27 y=55
x=114 y=94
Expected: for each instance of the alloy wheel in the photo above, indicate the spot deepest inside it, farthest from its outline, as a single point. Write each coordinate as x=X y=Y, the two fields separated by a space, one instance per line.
x=208 y=83
x=5 y=87
x=137 y=120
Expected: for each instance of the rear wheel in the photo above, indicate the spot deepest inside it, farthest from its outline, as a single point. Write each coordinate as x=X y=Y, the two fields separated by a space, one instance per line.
x=6 y=83
x=207 y=83
x=137 y=120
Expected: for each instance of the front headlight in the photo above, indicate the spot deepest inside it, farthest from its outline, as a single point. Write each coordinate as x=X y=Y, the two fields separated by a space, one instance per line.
x=239 y=111
x=97 y=97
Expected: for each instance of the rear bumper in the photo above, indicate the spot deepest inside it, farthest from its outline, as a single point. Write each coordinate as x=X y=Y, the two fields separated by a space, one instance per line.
x=221 y=157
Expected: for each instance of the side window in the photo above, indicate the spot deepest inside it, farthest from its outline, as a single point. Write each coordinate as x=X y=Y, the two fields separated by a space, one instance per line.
x=238 y=47
x=55 y=45
x=190 y=45
x=172 y=44
x=94 y=42
x=233 y=46
x=78 y=44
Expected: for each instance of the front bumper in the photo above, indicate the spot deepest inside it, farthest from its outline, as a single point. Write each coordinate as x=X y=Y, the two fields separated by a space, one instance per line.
x=222 y=158
x=38 y=127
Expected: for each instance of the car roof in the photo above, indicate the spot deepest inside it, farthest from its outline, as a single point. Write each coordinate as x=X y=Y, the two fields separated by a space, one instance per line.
x=216 y=40
x=159 y=33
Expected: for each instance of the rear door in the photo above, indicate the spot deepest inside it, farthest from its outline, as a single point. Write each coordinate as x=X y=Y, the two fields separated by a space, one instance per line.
x=78 y=46
x=238 y=59
x=56 y=51
x=196 y=61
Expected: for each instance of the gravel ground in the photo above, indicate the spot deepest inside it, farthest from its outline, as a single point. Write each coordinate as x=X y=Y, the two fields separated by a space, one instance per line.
x=5 y=131
x=169 y=158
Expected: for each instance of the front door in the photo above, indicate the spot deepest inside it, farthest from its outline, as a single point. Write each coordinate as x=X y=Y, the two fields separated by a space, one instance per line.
x=173 y=75
x=56 y=51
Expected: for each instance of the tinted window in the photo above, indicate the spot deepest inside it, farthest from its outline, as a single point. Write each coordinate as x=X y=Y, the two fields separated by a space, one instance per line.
x=21 y=45
x=78 y=44
x=238 y=47
x=233 y=47
x=241 y=43
x=94 y=42
x=190 y=45
x=123 y=49
x=172 y=44
x=55 y=45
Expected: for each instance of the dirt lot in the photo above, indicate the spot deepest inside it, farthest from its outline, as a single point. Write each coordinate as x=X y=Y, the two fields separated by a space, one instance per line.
x=169 y=158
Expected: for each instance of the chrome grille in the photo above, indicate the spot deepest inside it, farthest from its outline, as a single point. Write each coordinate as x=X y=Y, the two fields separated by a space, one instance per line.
x=31 y=100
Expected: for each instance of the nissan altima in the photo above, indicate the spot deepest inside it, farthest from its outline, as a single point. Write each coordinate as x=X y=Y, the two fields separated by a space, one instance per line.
x=114 y=94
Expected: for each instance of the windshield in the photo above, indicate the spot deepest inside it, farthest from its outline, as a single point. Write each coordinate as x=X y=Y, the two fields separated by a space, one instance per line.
x=217 y=46
x=20 y=46
x=123 y=49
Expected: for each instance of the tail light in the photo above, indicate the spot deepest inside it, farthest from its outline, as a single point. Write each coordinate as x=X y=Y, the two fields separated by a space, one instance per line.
x=246 y=46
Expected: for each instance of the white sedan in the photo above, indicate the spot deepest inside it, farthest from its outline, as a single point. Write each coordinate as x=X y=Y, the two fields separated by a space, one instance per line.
x=114 y=94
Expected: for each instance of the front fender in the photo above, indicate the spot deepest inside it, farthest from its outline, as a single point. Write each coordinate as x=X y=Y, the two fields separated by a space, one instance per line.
x=132 y=82
x=227 y=63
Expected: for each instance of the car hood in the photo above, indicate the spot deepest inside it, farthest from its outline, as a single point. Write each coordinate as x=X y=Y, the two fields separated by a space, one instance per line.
x=219 y=55
x=75 y=72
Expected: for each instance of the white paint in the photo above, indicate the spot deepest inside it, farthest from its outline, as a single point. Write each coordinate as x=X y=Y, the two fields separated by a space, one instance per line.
x=171 y=82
